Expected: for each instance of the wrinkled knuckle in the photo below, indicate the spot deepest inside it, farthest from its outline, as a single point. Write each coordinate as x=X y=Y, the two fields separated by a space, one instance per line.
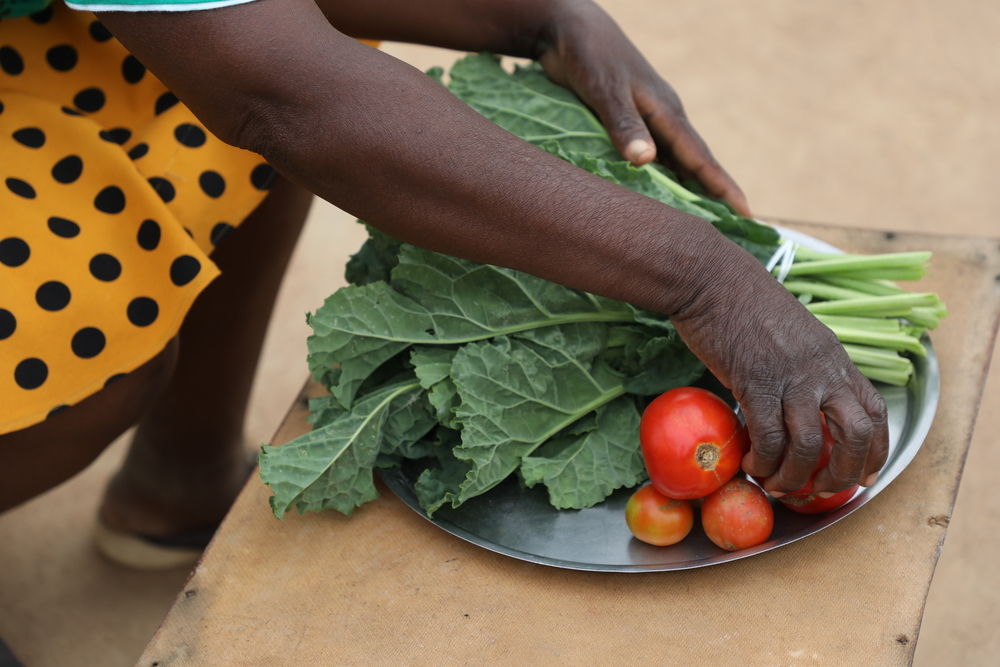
x=770 y=444
x=807 y=445
x=803 y=391
x=859 y=431
x=763 y=386
x=878 y=412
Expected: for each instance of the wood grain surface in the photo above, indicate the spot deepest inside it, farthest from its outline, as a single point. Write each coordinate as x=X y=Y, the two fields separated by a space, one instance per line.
x=386 y=587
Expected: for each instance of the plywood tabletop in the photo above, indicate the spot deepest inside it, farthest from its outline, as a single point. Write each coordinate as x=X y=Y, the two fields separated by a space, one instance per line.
x=385 y=586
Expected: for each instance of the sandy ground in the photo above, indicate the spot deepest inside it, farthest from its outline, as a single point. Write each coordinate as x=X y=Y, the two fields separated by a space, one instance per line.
x=864 y=114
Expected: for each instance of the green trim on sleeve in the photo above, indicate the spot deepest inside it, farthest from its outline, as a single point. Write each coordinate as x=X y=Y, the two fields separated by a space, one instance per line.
x=10 y=9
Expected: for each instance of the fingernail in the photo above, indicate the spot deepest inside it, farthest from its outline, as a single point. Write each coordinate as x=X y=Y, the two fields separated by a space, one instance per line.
x=638 y=149
x=870 y=479
x=776 y=494
x=826 y=494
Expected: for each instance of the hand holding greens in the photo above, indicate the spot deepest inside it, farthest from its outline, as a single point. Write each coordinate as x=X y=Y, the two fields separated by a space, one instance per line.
x=476 y=372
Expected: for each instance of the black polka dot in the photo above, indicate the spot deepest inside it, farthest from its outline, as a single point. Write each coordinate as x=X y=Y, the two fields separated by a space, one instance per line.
x=89 y=100
x=32 y=137
x=116 y=135
x=20 y=188
x=67 y=229
x=164 y=102
x=14 y=251
x=62 y=58
x=184 y=269
x=188 y=231
x=88 y=342
x=219 y=232
x=149 y=235
x=8 y=323
x=114 y=378
x=163 y=187
x=67 y=169
x=105 y=267
x=132 y=69
x=189 y=135
x=262 y=176
x=31 y=373
x=99 y=32
x=52 y=295
x=10 y=60
x=142 y=311
x=110 y=200
x=43 y=16
x=56 y=410
x=70 y=111
x=212 y=183
x=138 y=151
x=1 y=106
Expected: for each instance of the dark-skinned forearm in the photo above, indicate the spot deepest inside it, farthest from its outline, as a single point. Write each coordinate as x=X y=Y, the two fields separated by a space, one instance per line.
x=511 y=27
x=386 y=143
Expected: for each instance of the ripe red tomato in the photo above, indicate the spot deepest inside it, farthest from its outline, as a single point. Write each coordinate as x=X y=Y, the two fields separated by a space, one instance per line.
x=656 y=519
x=810 y=503
x=692 y=442
x=737 y=516
x=804 y=500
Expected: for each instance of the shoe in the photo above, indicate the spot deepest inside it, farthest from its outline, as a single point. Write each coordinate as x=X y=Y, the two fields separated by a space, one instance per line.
x=144 y=552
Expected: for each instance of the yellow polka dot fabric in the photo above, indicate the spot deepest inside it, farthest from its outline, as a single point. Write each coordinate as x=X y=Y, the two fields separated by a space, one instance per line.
x=112 y=196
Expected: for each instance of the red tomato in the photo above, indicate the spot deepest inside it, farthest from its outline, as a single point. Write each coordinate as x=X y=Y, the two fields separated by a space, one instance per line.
x=810 y=503
x=692 y=442
x=656 y=519
x=737 y=516
x=804 y=500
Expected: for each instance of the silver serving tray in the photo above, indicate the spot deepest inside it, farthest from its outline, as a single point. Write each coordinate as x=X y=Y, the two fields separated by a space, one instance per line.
x=519 y=522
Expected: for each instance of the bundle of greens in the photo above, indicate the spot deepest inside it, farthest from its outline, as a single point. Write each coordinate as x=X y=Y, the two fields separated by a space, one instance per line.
x=474 y=372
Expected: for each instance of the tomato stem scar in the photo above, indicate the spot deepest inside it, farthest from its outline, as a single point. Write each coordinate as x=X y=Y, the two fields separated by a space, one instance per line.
x=707 y=455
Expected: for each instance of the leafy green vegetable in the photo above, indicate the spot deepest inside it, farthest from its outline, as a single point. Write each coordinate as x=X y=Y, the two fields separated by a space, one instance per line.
x=331 y=466
x=582 y=470
x=469 y=373
x=527 y=104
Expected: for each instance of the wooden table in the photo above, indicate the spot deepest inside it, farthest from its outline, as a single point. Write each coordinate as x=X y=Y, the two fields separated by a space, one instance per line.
x=386 y=587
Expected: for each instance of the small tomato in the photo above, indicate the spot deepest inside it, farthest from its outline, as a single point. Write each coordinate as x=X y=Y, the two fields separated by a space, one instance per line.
x=737 y=516
x=656 y=519
x=804 y=501
x=810 y=503
x=692 y=442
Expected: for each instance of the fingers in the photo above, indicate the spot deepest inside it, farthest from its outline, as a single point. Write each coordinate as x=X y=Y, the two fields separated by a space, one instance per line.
x=852 y=430
x=875 y=406
x=625 y=126
x=805 y=443
x=692 y=153
x=787 y=438
x=768 y=436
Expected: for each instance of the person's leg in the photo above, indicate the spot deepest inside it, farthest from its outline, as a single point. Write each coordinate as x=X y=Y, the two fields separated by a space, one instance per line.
x=38 y=458
x=188 y=459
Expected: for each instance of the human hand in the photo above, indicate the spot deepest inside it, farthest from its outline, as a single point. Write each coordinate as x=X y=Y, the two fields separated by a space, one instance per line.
x=588 y=53
x=785 y=367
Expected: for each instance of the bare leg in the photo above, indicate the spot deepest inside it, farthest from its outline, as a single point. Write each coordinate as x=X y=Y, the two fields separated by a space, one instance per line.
x=188 y=459
x=37 y=458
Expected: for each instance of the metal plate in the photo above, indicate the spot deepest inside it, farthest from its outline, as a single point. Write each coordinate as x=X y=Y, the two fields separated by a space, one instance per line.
x=519 y=522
